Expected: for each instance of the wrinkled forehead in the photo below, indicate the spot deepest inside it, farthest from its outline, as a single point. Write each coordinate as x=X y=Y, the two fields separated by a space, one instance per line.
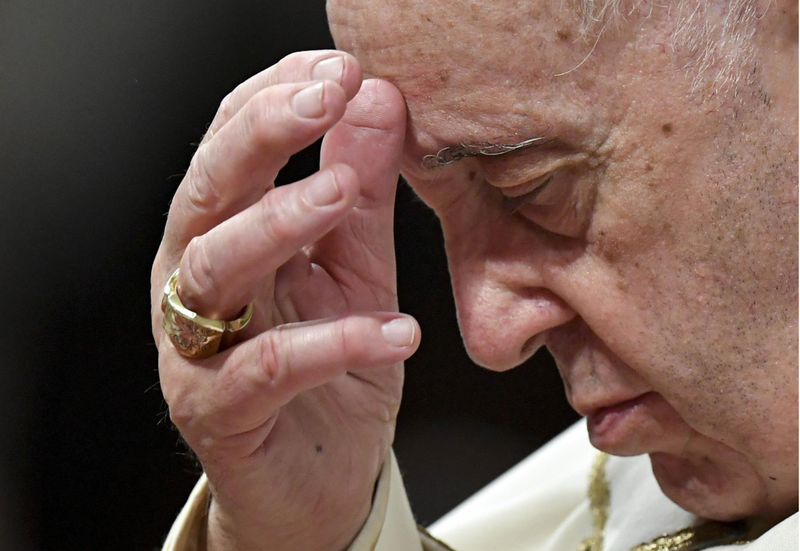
x=472 y=70
x=430 y=40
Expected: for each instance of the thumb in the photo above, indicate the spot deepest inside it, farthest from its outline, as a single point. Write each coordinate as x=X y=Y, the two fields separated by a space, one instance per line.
x=370 y=139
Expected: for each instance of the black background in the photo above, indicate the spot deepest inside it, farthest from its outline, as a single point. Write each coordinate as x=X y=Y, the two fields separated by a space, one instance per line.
x=100 y=103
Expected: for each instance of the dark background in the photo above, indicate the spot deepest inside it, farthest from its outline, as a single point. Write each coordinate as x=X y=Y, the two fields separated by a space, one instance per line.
x=100 y=103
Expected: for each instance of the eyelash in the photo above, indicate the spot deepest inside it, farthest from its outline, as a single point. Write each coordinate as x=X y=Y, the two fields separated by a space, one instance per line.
x=513 y=204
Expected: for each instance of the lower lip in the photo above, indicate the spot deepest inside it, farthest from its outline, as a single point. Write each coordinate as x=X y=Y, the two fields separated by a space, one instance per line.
x=612 y=424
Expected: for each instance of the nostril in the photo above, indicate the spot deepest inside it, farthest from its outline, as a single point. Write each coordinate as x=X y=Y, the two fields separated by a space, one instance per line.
x=531 y=346
x=538 y=296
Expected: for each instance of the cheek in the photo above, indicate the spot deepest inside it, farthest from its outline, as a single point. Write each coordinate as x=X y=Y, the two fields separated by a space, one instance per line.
x=685 y=298
x=637 y=239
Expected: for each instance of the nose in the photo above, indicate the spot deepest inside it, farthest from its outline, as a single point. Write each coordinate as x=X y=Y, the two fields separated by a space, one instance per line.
x=506 y=278
x=503 y=310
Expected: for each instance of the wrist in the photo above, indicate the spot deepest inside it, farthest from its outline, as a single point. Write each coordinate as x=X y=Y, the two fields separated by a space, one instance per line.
x=326 y=530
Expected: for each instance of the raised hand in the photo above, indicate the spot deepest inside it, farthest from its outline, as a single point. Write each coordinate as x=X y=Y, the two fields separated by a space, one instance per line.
x=293 y=420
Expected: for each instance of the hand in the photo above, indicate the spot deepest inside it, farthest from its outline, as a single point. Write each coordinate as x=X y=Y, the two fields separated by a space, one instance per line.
x=293 y=421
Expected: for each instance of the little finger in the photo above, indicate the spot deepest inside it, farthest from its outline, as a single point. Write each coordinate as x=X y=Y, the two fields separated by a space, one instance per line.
x=262 y=374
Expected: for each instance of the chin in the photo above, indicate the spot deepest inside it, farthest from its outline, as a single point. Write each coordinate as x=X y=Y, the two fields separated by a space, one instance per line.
x=709 y=490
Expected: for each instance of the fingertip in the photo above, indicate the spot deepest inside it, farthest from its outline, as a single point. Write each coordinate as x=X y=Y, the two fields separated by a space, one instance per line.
x=346 y=180
x=402 y=332
x=370 y=137
x=339 y=67
x=417 y=334
x=379 y=105
x=352 y=76
x=334 y=100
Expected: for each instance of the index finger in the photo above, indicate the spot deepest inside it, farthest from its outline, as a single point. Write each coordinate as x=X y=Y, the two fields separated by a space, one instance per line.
x=334 y=65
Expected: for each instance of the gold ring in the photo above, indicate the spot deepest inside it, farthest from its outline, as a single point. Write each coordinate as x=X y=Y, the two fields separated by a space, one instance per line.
x=193 y=335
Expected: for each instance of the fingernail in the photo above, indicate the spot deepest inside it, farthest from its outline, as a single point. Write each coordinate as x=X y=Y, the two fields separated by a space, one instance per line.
x=307 y=103
x=399 y=332
x=323 y=191
x=329 y=69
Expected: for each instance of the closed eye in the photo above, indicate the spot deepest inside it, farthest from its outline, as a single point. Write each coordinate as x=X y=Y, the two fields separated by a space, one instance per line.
x=513 y=204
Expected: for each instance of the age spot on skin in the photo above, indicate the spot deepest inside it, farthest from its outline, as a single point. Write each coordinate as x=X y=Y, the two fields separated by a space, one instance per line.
x=563 y=34
x=608 y=247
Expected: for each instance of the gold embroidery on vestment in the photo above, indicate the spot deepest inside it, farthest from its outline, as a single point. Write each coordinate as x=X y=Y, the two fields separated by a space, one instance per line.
x=695 y=538
x=599 y=498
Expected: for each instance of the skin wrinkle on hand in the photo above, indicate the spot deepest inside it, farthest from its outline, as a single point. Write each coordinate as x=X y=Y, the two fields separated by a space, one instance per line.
x=668 y=258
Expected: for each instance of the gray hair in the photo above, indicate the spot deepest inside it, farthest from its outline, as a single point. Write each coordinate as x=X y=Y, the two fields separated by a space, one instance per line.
x=717 y=53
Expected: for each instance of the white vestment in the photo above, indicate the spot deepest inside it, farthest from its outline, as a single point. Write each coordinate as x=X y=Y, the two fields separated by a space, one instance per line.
x=542 y=504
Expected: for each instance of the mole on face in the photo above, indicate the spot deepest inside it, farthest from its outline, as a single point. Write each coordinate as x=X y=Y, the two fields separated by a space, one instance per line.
x=667 y=128
x=563 y=34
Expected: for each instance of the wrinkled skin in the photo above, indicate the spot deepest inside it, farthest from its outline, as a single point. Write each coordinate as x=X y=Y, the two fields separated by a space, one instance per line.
x=294 y=416
x=662 y=257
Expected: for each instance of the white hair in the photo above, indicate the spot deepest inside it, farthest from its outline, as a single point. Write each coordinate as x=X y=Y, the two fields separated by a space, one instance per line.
x=713 y=41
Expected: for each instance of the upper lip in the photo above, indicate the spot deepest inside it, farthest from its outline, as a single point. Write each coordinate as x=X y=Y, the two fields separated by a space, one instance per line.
x=593 y=407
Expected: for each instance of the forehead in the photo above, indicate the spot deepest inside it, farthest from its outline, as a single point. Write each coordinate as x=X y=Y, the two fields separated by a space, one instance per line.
x=476 y=72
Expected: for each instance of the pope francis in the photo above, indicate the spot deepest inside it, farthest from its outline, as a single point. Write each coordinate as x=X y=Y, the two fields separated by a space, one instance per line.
x=616 y=180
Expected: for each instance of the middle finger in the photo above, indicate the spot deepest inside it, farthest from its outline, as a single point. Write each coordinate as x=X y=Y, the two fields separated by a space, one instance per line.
x=234 y=169
x=221 y=270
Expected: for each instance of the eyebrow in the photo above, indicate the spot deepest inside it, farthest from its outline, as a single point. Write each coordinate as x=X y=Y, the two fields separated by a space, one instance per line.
x=454 y=153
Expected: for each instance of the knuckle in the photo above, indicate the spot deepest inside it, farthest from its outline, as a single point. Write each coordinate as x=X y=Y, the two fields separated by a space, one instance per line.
x=227 y=107
x=259 y=120
x=276 y=219
x=181 y=412
x=203 y=192
x=198 y=271
x=275 y=367
x=352 y=341
x=266 y=126
x=287 y=66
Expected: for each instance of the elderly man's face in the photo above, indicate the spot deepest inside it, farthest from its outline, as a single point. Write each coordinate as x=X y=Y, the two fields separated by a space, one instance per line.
x=658 y=259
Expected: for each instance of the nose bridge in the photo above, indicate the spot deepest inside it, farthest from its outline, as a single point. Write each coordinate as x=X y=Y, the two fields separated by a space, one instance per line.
x=502 y=301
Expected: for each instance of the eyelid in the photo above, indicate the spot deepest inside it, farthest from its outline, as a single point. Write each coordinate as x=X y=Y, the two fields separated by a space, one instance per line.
x=516 y=202
x=528 y=187
x=515 y=172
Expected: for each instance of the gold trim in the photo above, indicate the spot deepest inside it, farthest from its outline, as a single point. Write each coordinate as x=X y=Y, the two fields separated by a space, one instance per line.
x=695 y=538
x=599 y=499
x=192 y=334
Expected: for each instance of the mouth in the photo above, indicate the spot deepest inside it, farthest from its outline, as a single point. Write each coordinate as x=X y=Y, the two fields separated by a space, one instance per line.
x=612 y=425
